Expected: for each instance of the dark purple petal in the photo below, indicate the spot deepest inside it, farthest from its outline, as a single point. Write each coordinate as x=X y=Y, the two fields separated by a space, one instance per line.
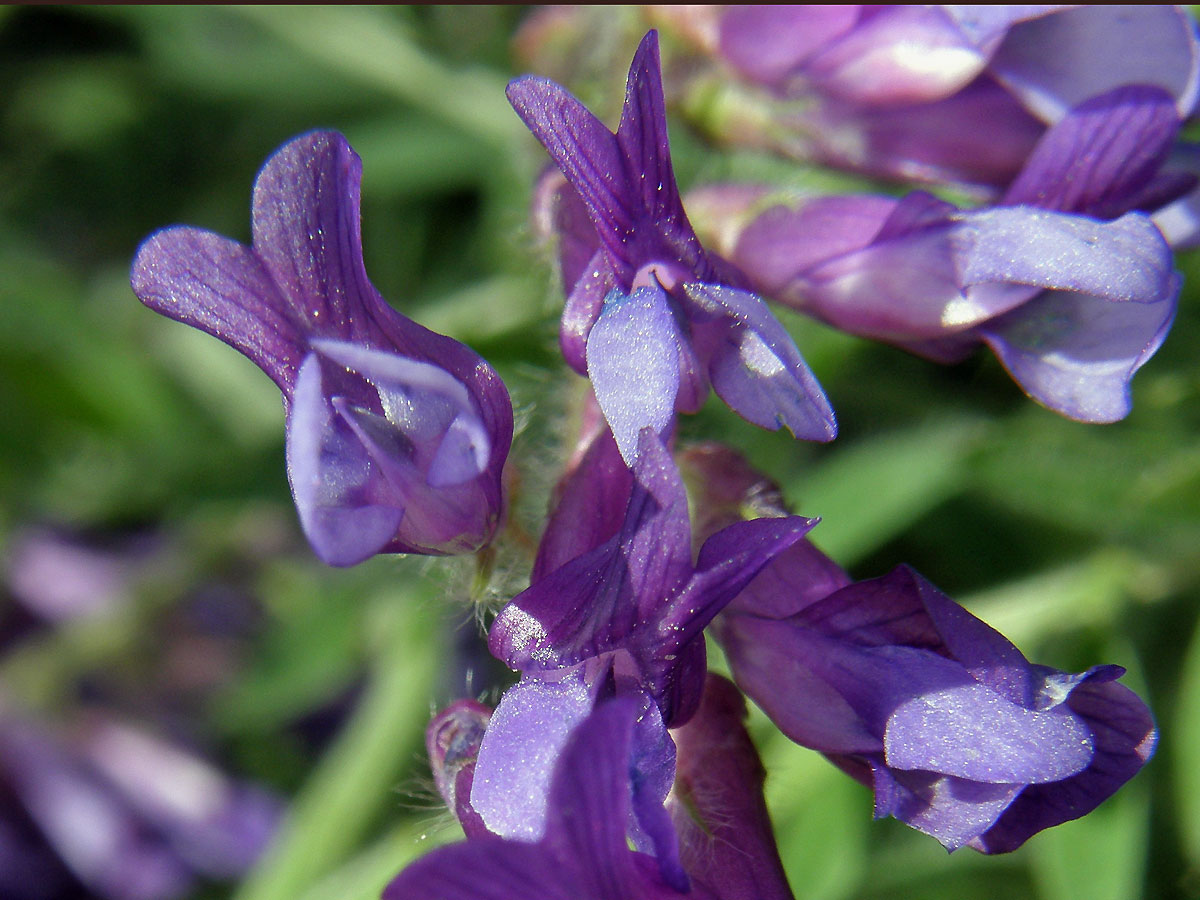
x=755 y=367
x=590 y=507
x=1098 y=159
x=1056 y=62
x=727 y=562
x=724 y=829
x=633 y=361
x=768 y=43
x=1124 y=735
x=582 y=309
x=222 y=288
x=485 y=869
x=795 y=579
x=520 y=750
x=771 y=663
x=596 y=601
x=897 y=55
x=588 y=155
x=1076 y=353
x=642 y=135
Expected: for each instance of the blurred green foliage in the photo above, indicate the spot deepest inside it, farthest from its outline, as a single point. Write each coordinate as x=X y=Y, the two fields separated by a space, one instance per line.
x=1080 y=542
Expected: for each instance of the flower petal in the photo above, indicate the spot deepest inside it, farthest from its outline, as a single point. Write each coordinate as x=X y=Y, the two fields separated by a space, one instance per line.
x=971 y=732
x=768 y=43
x=222 y=288
x=1076 y=353
x=1124 y=735
x=1101 y=155
x=520 y=750
x=718 y=806
x=756 y=368
x=1126 y=259
x=1056 y=62
x=633 y=360
x=333 y=478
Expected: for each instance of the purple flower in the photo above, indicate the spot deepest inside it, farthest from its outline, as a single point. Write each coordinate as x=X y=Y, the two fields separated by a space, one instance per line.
x=948 y=93
x=582 y=853
x=1067 y=279
x=717 y=806
x=957 y=733
x=652 y=318
x=621 y=614
x=396 y=436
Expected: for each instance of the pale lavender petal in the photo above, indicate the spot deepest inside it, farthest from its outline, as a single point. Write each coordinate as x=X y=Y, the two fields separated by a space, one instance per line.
x=1100 y=157
x=950 y=809
x=633 y=361
x=520 y=750
x=332 y=477
x=1126 y=259
x=969 y=731
x=222 y=288
x=755 y=367
x=718 y=806
x=897 y=55
x=1076 y=353
x=768 y=43
x=1056 y=62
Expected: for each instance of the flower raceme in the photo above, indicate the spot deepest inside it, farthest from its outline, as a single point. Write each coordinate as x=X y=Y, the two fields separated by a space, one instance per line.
x=651 y=317
x=396 y=436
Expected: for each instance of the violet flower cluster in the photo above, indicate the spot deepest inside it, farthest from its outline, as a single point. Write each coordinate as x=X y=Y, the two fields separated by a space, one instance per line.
x=617 y=767
x=1065 y=120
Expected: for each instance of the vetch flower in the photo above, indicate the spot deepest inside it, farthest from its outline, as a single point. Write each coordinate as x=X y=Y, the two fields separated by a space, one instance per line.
x=724 y=833
x=582 y=853
x=396 y=436
x=624 y=617
x=957 y=733
x=652 y=318
x=1067 y=279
